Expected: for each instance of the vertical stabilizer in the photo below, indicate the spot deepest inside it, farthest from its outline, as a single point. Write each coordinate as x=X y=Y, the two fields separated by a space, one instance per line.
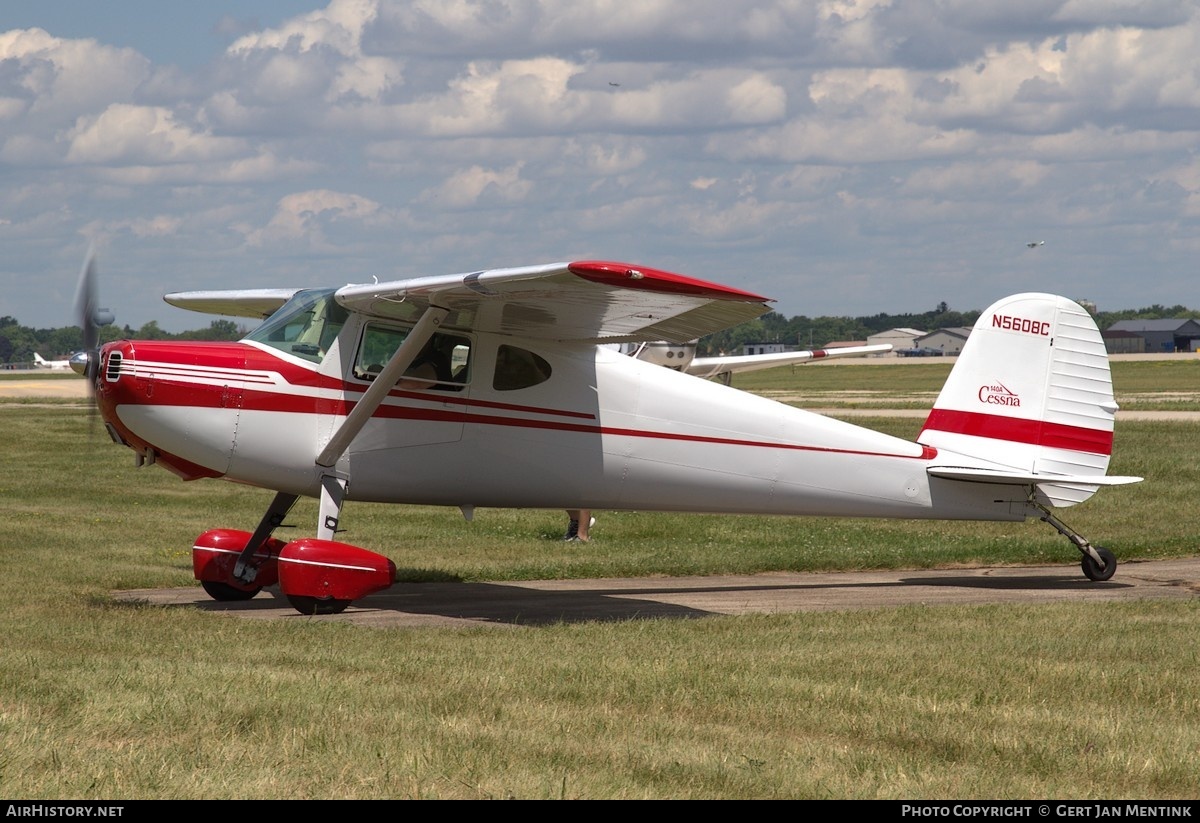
x=1030 y=393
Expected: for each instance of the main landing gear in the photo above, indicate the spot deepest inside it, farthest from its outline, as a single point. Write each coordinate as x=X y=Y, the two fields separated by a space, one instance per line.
x=317 y=575
x=1098 y=563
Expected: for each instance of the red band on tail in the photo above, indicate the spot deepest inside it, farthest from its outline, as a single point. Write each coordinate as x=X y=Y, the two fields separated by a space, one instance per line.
x=1014 y=430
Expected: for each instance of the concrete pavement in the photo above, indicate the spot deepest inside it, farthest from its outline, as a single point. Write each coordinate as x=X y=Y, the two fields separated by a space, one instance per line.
x=543 y=602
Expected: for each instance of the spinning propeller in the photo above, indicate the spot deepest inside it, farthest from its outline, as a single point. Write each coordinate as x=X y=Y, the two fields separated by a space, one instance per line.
x=91 y=318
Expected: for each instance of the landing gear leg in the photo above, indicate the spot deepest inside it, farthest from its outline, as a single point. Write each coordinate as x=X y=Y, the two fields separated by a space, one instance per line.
x=245 y=570
x=333 y=492
x=234 y=565
x=1098 y=564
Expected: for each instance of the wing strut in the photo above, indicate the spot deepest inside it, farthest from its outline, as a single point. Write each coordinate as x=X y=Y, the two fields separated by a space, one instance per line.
x=384 y=382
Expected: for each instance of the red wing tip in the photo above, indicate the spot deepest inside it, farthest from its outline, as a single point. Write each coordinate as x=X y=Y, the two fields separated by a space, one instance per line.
x=629 y=276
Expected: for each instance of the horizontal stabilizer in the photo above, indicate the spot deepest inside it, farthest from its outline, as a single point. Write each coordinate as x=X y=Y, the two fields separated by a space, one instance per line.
x=712 y=366
x=975 y=475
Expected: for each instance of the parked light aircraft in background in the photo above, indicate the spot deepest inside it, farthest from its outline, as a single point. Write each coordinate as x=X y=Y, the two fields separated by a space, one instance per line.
x=502 y=388
x=50 y=364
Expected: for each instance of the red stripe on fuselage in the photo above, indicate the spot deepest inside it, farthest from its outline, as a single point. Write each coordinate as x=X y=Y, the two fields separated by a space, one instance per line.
x=1014 y=430
x=276 y=402
x=172 y=391
x=394 y=412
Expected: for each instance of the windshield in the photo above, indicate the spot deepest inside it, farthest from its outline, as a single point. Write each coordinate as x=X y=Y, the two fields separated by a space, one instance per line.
x=305 y=326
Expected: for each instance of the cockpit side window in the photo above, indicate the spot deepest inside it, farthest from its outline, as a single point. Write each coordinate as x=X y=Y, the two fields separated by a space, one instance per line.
x=442 y=365
x=305 y=326
x=518 y=368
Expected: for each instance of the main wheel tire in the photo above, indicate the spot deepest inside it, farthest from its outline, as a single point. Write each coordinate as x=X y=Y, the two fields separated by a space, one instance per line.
x=1093 y=572
x=226 y=593
x=315 y=605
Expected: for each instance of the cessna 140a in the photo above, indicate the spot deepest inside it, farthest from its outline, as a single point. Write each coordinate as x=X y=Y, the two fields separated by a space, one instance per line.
x=503 y=388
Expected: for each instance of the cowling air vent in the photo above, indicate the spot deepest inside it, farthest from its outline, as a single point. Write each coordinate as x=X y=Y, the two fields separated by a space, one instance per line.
x=113 y=367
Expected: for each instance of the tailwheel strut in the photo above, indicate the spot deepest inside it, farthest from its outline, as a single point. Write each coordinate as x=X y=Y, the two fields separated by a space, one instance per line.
x=1098 y=563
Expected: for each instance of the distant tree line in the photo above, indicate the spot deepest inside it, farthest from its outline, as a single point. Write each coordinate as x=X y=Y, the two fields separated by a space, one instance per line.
x=816 y=332
x=18 y=343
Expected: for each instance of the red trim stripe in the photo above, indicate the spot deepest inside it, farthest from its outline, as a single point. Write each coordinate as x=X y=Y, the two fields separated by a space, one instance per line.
x=1015 y=430
x=170 y=390
x=407 y=413
x=304 y=405
x=467 y=418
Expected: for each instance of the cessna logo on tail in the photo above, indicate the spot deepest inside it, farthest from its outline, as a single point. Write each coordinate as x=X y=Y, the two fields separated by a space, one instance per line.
x=998 y=395
x=1003 y=321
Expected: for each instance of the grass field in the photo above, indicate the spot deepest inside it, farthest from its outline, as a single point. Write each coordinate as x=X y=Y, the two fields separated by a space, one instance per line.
x=110 y=701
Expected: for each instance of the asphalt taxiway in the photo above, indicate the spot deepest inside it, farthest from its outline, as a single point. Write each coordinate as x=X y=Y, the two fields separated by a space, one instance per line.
x=543 y=602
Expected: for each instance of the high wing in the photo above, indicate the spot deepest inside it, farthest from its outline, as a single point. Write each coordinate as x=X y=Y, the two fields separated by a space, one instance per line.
x=708 y=367
x=579 y=301
x=259 y=303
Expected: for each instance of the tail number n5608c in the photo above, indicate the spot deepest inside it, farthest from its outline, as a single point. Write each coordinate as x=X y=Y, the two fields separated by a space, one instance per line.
x=1022 y=324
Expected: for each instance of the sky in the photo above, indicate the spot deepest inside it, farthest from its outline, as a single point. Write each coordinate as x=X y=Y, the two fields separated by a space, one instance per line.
x=841 y=157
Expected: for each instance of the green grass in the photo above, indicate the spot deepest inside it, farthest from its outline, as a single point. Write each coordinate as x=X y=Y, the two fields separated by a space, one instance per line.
x=114 y=701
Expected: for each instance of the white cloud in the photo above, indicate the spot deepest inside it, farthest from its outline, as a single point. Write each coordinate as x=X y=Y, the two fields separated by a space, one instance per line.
x=338 y=26
x=61 y=78
x=605 y=159
x=476 y=184
x=756 y=100
x=156 y=226
x=306 y=216
x=124 y=134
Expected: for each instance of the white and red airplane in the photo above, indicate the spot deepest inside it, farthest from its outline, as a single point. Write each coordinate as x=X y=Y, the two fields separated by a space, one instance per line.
x=507 y=388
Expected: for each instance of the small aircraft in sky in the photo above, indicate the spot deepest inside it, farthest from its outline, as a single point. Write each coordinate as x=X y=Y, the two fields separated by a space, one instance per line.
x=42 y=363
x=506 y=388
x=1033 y=244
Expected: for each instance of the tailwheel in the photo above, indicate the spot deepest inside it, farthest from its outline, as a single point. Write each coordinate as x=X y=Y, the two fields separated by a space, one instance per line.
x=226 y=593
x=1099 y=563
x=317 y=605
x=1092 y=570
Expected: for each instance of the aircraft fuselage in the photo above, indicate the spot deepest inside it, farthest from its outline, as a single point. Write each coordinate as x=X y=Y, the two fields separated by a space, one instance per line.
x=602 y=430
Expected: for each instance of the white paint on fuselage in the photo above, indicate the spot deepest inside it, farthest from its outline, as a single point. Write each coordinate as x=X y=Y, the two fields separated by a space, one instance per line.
x=638 y=437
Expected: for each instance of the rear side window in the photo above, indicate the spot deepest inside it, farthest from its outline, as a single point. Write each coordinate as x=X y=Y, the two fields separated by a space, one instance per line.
x=518 y=368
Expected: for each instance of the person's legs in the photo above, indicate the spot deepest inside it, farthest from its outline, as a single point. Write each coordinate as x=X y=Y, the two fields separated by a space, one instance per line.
x=579 y=524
